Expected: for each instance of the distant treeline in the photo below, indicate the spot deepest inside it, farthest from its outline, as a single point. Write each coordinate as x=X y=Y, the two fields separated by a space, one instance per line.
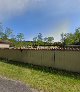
x=6 y=34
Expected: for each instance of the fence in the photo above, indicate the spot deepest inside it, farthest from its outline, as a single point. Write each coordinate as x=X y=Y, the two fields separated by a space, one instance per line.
x=61 y=59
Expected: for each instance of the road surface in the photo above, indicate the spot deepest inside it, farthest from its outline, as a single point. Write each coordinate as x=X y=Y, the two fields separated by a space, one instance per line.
x=7 y=85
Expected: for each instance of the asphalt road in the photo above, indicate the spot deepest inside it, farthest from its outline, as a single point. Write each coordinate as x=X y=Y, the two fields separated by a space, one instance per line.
x=7 y=85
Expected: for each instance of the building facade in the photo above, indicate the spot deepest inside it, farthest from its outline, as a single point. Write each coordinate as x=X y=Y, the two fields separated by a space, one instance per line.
x=4 y=45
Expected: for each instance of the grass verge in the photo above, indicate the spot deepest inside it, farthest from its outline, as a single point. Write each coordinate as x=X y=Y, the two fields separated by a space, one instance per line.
x=41 y=78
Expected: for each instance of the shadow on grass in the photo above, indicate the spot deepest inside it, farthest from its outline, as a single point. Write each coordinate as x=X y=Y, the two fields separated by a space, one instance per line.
x=44 y=69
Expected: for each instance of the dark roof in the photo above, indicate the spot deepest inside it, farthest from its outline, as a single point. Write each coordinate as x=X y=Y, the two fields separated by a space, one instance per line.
x=5 y=42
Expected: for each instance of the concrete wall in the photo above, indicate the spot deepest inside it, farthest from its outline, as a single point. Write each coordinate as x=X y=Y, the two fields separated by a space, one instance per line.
x=67 y=60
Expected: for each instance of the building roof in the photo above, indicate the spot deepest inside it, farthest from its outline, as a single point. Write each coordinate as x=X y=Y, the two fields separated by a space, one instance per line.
x=4 y=42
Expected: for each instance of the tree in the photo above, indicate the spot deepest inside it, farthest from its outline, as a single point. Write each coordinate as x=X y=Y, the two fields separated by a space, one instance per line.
x=45 y=39
x=50 y=39
x=62 y=37
x=13 y=40
x=7 y=33
x=39 y=43
x=34 y=39
x=39 y=38
x=20 y=37
x=1 y=31
x=29 y=43
x=13 y=37
x=69 y=39
x=77 y=36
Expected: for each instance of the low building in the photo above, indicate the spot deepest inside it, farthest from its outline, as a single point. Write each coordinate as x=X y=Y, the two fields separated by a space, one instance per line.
x=4 y=44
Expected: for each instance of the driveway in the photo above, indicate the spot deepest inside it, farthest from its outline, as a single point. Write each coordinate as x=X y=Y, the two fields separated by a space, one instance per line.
x=7 y=85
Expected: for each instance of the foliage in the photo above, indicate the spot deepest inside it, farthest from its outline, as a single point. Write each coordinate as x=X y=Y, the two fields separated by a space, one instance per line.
x=45 y=39
x=48 y=39
x=1 y=30
x=39 y=40
x=34 y=39
x=62 y=38
x=71 y=38
x=39 y=37
x=77 y=36
x=38 y=43
x=20 y=37
x=29 y=43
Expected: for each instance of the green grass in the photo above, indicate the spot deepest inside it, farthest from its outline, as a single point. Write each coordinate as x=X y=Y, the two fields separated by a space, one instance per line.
x=41 y=78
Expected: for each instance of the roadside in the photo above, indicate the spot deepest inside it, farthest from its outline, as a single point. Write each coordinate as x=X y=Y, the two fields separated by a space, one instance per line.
x=7 y=85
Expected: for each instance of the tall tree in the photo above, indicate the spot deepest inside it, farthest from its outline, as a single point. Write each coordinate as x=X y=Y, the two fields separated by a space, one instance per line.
x=62 y=37
x=69 y=38
x=1 y=31
x=7 y=33
x=77 y=36
x=34 y=39
x=50 y=39
x=45 y=39
x=20 y=37
x=39 y=38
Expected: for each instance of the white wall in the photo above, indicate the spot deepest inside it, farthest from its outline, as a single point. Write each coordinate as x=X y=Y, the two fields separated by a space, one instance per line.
x=4 y=45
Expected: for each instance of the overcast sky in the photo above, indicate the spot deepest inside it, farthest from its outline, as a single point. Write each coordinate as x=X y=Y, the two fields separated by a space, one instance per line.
x=49 y=17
